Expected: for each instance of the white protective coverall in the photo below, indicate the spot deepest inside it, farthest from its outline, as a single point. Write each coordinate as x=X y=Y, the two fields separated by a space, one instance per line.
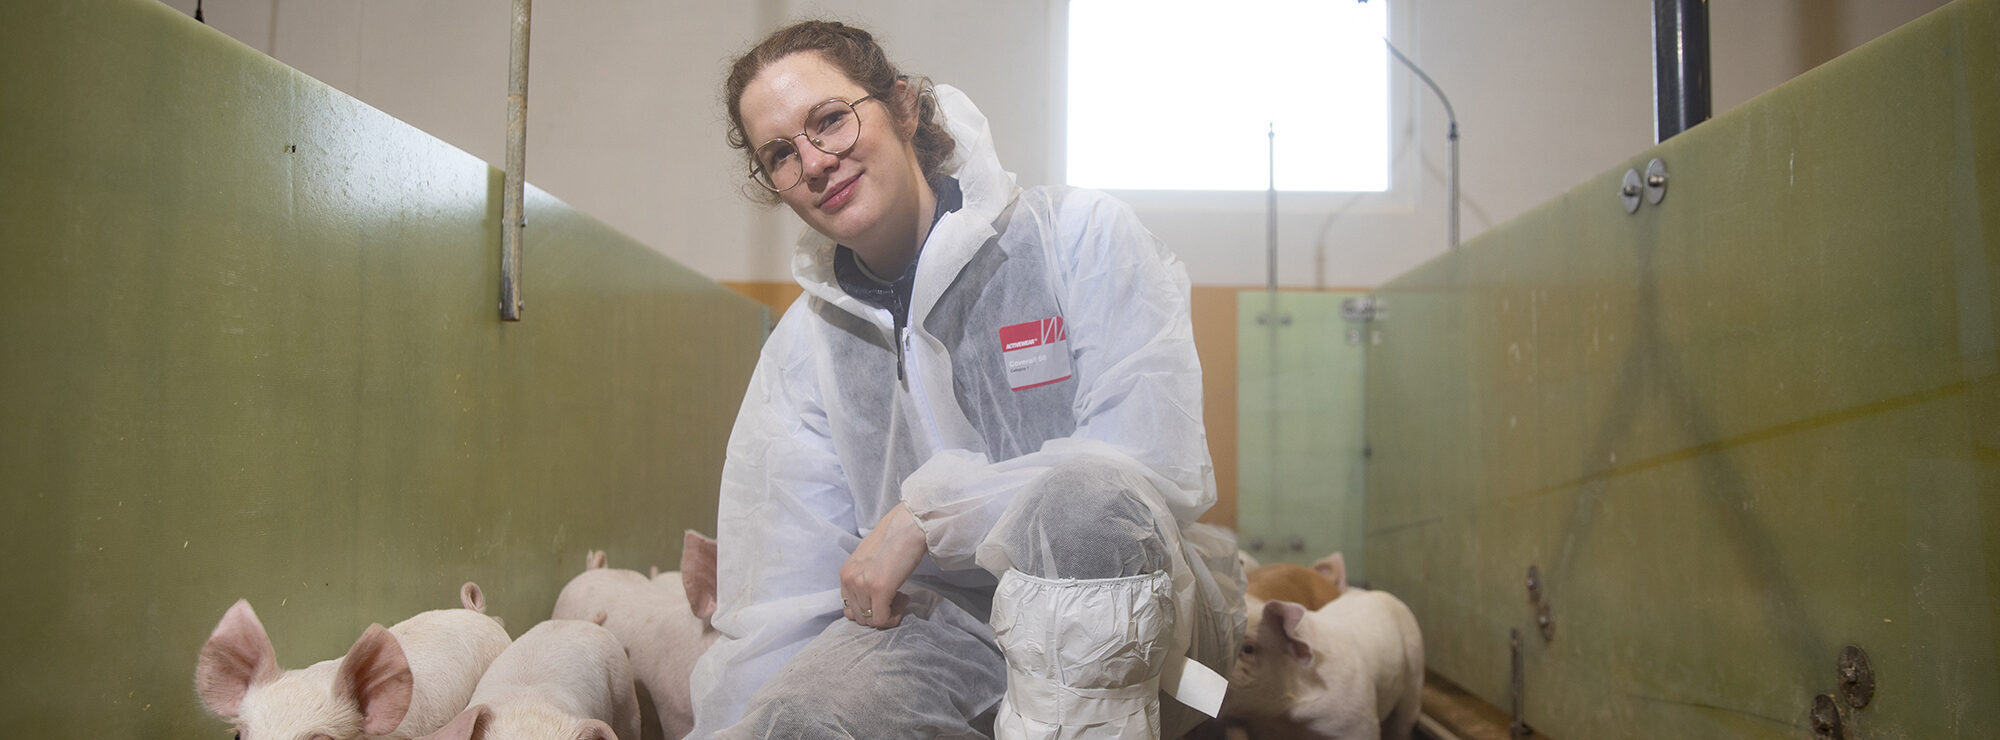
x=1047 y=330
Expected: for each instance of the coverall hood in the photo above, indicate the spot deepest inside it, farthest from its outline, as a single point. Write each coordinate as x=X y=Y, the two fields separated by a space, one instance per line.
x=988 y=189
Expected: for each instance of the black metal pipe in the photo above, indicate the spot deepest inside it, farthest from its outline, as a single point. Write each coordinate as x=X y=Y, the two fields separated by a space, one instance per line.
x=1680 y=66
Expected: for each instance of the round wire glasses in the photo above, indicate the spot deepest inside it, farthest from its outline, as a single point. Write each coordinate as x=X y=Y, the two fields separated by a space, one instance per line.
x=832 y=126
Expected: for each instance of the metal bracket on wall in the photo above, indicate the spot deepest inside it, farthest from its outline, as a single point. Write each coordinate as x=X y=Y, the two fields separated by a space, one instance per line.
x=1362 y=310
x=1517 y=728
x=1545 y=619
x=1651 y=188
x=1358 y=308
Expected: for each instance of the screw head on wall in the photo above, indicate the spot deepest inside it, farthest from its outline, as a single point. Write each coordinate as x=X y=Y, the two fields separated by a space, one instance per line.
x=1857 y=679
x=1825 y=719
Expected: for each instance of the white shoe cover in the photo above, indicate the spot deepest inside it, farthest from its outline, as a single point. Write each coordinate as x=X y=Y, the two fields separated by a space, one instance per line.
x=1083 y=657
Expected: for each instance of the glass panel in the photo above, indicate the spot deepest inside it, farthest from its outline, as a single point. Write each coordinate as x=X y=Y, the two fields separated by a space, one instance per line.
x=1299 y=417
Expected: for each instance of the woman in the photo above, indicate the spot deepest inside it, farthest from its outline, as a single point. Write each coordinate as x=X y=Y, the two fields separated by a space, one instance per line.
x=986 y=406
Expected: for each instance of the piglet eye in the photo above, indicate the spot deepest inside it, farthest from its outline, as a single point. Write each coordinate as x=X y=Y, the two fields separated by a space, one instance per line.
x=1249 y=649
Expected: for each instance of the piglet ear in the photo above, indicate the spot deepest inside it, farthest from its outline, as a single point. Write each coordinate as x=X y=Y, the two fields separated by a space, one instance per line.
x=473 y=598
x=1281 y=620
x=376 y=676
x=238 y=655
x=595 y=730
x=470 y=724
x=1247 y=561
x=698 y=573
x=1334 y=567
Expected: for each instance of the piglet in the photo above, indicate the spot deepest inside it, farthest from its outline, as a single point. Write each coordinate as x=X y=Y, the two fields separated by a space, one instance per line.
x=1334 y=568
x=401 y=682
x=1247 y=561
x=1352 y=669
x=695 y=581
x=1309 y=587
x=663 y=624
x=565 y=679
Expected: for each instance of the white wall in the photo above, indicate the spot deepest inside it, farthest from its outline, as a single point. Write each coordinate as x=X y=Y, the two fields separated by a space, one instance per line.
x=625 y=120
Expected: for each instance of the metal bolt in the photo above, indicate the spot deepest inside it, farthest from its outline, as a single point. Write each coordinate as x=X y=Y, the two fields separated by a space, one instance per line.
x=1545 y=619
x=1257 y=544
x=1656 y=181
x=1857 y=679
x=1825 y=719
x=1298 y=544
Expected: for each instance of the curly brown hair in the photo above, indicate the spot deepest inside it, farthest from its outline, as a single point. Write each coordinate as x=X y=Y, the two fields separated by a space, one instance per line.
x=854 y=52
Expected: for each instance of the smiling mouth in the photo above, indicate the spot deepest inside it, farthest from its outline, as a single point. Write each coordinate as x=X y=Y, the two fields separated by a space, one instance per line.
x=837 y=196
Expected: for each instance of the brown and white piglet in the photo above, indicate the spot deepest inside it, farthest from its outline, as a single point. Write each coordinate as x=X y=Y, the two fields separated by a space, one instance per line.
x=565 y=679
x=663 y=624
x=399 y=682
x=1352 y=669
x=1308 y=587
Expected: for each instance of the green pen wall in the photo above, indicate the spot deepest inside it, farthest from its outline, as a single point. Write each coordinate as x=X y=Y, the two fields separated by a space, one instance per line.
x=252 y=349
x=1734 y=432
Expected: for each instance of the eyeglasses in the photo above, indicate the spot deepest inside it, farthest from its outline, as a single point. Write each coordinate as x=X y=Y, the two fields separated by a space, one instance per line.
x=832 y=127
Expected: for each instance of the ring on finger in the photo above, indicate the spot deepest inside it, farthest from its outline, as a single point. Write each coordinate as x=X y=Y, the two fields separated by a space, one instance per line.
x=868 y=614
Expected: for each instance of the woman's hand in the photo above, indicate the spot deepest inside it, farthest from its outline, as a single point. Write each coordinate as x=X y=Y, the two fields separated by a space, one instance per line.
x=879 y=566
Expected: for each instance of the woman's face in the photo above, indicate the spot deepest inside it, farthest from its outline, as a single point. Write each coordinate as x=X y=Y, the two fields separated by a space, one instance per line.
x=869 y=198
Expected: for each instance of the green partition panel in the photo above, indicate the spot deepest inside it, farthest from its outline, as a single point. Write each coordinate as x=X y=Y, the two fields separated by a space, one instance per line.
x=1735 y=431
x=252 y=349
x=1299 y=449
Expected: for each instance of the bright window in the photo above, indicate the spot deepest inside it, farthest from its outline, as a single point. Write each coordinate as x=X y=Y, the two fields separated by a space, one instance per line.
x=1180 y=94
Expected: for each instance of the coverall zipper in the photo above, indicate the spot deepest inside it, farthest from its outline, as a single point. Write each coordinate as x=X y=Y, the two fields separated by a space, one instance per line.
x=917 y=389
x=900 y=331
